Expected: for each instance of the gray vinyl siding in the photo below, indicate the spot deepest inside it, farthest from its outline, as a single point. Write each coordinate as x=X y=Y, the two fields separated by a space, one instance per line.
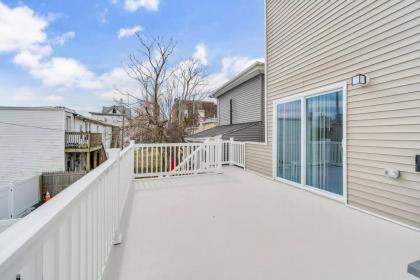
x=247 y=105
x=253 y=133
x=313 y=44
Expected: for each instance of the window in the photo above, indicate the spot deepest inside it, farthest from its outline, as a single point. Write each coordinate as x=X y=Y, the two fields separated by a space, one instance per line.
x=308 y=142
x=68 y=123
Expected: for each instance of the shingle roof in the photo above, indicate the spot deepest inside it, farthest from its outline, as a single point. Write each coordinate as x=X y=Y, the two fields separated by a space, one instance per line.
x=251 y=131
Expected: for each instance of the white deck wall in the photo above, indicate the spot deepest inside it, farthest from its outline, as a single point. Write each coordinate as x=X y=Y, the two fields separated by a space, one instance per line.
x=31 y=142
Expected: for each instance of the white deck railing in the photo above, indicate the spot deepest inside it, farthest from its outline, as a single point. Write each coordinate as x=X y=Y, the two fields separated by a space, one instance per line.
x=233 y=153
x=71 y=236
x=176 y=159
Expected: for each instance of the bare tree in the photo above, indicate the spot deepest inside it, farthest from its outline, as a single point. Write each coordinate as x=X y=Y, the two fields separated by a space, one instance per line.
x=187 y=84
x=161 y=86
x=150 y=68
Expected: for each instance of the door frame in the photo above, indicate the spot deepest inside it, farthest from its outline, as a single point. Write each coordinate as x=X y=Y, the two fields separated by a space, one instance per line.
x=303 y=96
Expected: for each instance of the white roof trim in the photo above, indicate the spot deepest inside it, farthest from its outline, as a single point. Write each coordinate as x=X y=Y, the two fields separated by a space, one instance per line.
x=252 y=71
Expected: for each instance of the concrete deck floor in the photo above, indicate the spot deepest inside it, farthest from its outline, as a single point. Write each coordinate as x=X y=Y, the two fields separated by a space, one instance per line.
x=242 y=226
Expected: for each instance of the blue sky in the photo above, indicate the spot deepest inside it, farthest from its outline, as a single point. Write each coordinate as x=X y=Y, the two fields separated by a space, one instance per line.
x=72 y=52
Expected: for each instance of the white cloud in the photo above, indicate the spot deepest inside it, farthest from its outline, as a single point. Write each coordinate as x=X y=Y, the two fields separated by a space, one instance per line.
x=26 y=96
x=111 y=95
x=231 y=66
x=134 y=5
x=23 y=32
x=114 y=81
x=103 y=16
x=57 y=71
x=54 y=99
x=129 y=31
x=63 y=38
x=200 y=54
x=20 y=28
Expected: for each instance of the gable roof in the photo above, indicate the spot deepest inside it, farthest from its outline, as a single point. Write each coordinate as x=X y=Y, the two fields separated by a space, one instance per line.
x=122 y=110
x=252 y=71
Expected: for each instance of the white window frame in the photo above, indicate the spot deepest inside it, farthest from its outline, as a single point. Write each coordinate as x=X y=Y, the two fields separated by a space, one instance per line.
x=302 y=97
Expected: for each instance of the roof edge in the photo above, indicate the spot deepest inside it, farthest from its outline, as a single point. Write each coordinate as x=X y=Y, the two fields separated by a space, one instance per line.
x=252 y=71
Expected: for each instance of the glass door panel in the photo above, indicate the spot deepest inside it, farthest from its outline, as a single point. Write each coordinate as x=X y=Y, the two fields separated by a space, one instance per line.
x=324 y=136
x=289 y=141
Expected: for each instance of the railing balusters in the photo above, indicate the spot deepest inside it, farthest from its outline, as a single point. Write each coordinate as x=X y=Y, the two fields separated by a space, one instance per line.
x=176 y=159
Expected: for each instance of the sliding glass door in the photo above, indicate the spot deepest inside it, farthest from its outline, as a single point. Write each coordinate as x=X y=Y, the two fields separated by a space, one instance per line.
x=324 y=136
x=289 y=141
x=314 y=159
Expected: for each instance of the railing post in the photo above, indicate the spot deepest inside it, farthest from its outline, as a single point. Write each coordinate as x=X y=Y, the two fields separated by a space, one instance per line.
x=244 y=156
x=219 y=146
x=11 y=198
x=231 y=143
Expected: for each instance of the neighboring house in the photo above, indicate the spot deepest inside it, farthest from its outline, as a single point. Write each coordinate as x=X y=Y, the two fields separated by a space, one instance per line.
x=240 y=108
x=192 y=113
x=207 y=124
x=42 y=139
x=115 y=115
x=118 y=116
x=328 y=133
x=201 y=125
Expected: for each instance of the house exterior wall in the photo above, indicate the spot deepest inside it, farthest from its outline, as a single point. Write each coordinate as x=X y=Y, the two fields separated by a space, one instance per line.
x=106 y=135
x=33 y=145
x=247 y=103
x=323 y=43
x=258 y=158
x=110 y=119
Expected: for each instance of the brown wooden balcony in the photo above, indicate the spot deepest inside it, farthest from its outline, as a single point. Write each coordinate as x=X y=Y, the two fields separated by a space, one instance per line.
x=83 y=141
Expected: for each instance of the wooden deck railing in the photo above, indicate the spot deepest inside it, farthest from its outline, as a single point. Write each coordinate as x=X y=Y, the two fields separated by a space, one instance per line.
x=83 y=140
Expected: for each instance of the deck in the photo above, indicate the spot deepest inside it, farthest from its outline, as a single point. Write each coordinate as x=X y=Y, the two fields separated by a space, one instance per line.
x=238 y=225
x=82 y=141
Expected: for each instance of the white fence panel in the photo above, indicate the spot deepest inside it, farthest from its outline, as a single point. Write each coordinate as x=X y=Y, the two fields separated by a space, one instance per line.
x=4 y=203
x=226 y=152
x=237 y=154
x=16 y=198
x=25 y=195
x=177 y=159
x=233 y=153
x=70 y=236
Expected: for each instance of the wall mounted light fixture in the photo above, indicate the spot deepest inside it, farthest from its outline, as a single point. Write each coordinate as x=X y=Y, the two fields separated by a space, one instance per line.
x=359 y=80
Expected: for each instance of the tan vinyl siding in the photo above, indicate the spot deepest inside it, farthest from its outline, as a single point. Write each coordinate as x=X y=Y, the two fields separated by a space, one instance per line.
x=258 y=159
x=312 y=44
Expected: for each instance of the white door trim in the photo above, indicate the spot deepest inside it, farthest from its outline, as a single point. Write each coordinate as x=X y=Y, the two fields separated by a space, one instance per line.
x=303 y=96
